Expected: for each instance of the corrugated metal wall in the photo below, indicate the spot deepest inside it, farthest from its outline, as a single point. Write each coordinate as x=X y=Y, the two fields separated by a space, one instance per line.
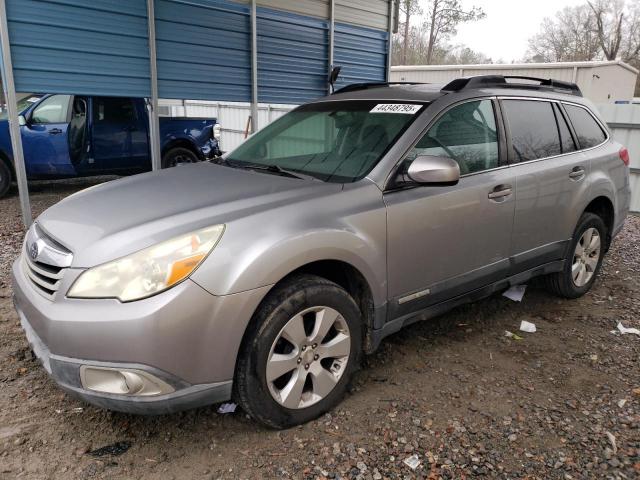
x=107 y=38
x=366 y=13
x=362 y=53
x=293 y=57
x=203 y=49
x=624 y=122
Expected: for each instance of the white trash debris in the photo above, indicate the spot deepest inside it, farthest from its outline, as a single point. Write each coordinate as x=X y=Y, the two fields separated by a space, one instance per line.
x=515 y=293
x=412 y=462
x=622 y=402
x=509 y=334
x=612 y=440
x=527 y=327
x=227 y=408
x=624 y=330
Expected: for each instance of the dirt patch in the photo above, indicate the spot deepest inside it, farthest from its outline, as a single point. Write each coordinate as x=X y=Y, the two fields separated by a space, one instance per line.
x=455 y=392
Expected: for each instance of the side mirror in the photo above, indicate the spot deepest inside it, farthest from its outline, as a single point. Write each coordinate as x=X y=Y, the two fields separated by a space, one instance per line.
x=433 y=170
x=21 y=120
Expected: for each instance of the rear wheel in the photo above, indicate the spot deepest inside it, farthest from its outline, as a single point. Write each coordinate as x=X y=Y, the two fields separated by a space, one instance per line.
x=5 y=178
x=178 y=156
x=584 y=259
x=300 y=352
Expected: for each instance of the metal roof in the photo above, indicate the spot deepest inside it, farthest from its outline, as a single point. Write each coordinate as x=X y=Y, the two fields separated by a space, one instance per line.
x=511 y=66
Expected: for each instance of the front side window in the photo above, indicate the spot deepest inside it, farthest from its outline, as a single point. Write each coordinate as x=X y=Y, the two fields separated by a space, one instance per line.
x=533 y=128
x=587 y=129
x=333 y=141
x=467 y=133
x=53 y=109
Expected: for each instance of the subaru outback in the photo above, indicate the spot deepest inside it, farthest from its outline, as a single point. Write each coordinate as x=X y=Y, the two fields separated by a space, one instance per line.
x=264 y=276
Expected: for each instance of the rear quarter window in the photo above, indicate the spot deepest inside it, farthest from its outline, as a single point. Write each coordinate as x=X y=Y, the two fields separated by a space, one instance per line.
x=587 y=129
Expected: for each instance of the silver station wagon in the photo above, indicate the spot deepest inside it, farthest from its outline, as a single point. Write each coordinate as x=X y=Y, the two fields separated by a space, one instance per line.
x=263 y=276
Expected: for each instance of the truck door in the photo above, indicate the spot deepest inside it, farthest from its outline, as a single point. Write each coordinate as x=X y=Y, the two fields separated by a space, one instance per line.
x=45 y=138
x=114 y=125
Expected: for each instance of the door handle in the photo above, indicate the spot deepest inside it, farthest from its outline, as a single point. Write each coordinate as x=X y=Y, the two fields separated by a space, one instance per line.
x=500 y=191
x=577 y=173
x=55 y=131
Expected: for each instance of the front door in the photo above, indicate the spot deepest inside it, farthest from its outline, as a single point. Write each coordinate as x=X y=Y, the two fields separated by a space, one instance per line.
x=550 y=180
x=444 y=241
x=45 y=138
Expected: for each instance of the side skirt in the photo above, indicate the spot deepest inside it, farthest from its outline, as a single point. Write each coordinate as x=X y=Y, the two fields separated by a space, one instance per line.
x=432 y=311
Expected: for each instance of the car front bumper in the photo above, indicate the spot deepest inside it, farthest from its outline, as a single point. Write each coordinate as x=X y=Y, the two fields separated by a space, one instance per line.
x=185 y=337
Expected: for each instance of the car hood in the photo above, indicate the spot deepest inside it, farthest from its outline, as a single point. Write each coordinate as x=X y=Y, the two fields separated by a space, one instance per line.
x=117 y=218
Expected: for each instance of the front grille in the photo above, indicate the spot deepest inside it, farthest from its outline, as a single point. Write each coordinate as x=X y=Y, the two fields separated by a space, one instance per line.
x=44 y=261
x=46 y=278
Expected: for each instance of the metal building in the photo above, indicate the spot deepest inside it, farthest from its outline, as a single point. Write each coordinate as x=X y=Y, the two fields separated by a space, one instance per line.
x=601 y=82
x=251 y=52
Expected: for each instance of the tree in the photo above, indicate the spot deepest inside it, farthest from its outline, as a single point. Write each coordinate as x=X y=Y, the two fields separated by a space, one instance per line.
x=569 y=37
x=444 y=17
x=409 y=8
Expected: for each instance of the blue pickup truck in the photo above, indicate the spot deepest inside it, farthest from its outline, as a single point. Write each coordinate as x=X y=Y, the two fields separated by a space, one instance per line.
x=71 y=136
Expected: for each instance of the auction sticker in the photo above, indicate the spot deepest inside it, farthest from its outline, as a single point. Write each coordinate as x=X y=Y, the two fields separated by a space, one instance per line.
x=408 y=108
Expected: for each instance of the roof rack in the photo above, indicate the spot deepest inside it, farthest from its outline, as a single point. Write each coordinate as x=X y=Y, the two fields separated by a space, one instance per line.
x=366 y=85
x=487 y=81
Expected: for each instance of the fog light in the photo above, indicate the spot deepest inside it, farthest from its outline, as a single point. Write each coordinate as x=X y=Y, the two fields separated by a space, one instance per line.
x=122 y=381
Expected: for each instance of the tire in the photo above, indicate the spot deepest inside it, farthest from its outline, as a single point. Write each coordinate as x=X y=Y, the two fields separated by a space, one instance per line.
x=178 y=155
x=564 y=284
x=5 y=178
x=264 y=395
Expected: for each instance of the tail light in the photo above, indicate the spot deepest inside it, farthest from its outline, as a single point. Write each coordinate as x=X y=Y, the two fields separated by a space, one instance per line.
x=217 y=131
x=624 y=156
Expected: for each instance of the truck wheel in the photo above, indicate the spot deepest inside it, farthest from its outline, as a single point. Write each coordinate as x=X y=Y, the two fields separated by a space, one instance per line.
x=583 y=260
x=5 y=178
x=299 y=353
x=177 y=156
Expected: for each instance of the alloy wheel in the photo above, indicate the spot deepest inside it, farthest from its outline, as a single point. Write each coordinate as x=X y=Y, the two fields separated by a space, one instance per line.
x=586 y=257
x=308 y=357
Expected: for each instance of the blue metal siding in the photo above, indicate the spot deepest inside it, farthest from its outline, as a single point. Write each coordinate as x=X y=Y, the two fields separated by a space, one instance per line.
x=362 y=53
x=96 y=48
x=203 y=50
x=292 y=57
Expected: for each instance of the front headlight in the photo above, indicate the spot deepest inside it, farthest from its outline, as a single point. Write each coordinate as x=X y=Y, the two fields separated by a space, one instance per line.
x=148 y=271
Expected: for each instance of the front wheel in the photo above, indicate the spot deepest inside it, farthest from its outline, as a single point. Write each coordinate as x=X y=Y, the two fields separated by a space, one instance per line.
x=584 y=259
x=299 y=353
x=178 y=156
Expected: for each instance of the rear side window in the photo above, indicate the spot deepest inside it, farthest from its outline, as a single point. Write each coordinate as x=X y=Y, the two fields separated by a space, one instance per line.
x=587 y=128
x=113 y=110
x=533 y=128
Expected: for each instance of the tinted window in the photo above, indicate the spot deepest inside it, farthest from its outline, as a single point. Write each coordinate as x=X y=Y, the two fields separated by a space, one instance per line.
x=52 y=110
x=587 y=129
x=113 y=110
x=534 y=133
x=467 y=133
x=566 y=140
x=333 y=141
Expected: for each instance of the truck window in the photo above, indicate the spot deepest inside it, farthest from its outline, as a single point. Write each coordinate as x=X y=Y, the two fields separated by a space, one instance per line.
x=587 y=129
x=113 y=110
x=52 y=110
x=534 y=132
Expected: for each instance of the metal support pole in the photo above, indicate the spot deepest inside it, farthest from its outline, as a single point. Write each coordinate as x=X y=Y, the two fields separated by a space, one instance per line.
x=154 y=121
x=332 y=36
x=254 y=67
x=14 y=124
x=390 y=40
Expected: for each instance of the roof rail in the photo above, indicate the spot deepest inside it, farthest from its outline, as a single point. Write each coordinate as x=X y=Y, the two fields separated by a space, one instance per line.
x=366 y=85
x=488 y=81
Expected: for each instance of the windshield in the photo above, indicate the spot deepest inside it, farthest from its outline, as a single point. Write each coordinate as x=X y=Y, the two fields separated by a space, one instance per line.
x=333 y=141
x=23 y=104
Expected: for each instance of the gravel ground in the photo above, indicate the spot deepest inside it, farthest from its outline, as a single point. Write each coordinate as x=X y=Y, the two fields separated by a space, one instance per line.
x=455 y=394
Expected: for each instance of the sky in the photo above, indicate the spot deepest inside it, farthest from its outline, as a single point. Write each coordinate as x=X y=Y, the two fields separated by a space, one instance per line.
x=505 y=31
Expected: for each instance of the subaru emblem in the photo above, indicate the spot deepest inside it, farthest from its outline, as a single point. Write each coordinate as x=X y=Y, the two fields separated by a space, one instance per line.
x=34 y=250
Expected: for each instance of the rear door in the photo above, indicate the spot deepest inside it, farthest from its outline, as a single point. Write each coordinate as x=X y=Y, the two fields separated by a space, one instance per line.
x=550 y=180
x=45 y=138
x=444 y=241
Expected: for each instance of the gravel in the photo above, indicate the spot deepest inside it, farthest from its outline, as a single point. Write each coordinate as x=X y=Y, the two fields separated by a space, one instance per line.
x=453 y=397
